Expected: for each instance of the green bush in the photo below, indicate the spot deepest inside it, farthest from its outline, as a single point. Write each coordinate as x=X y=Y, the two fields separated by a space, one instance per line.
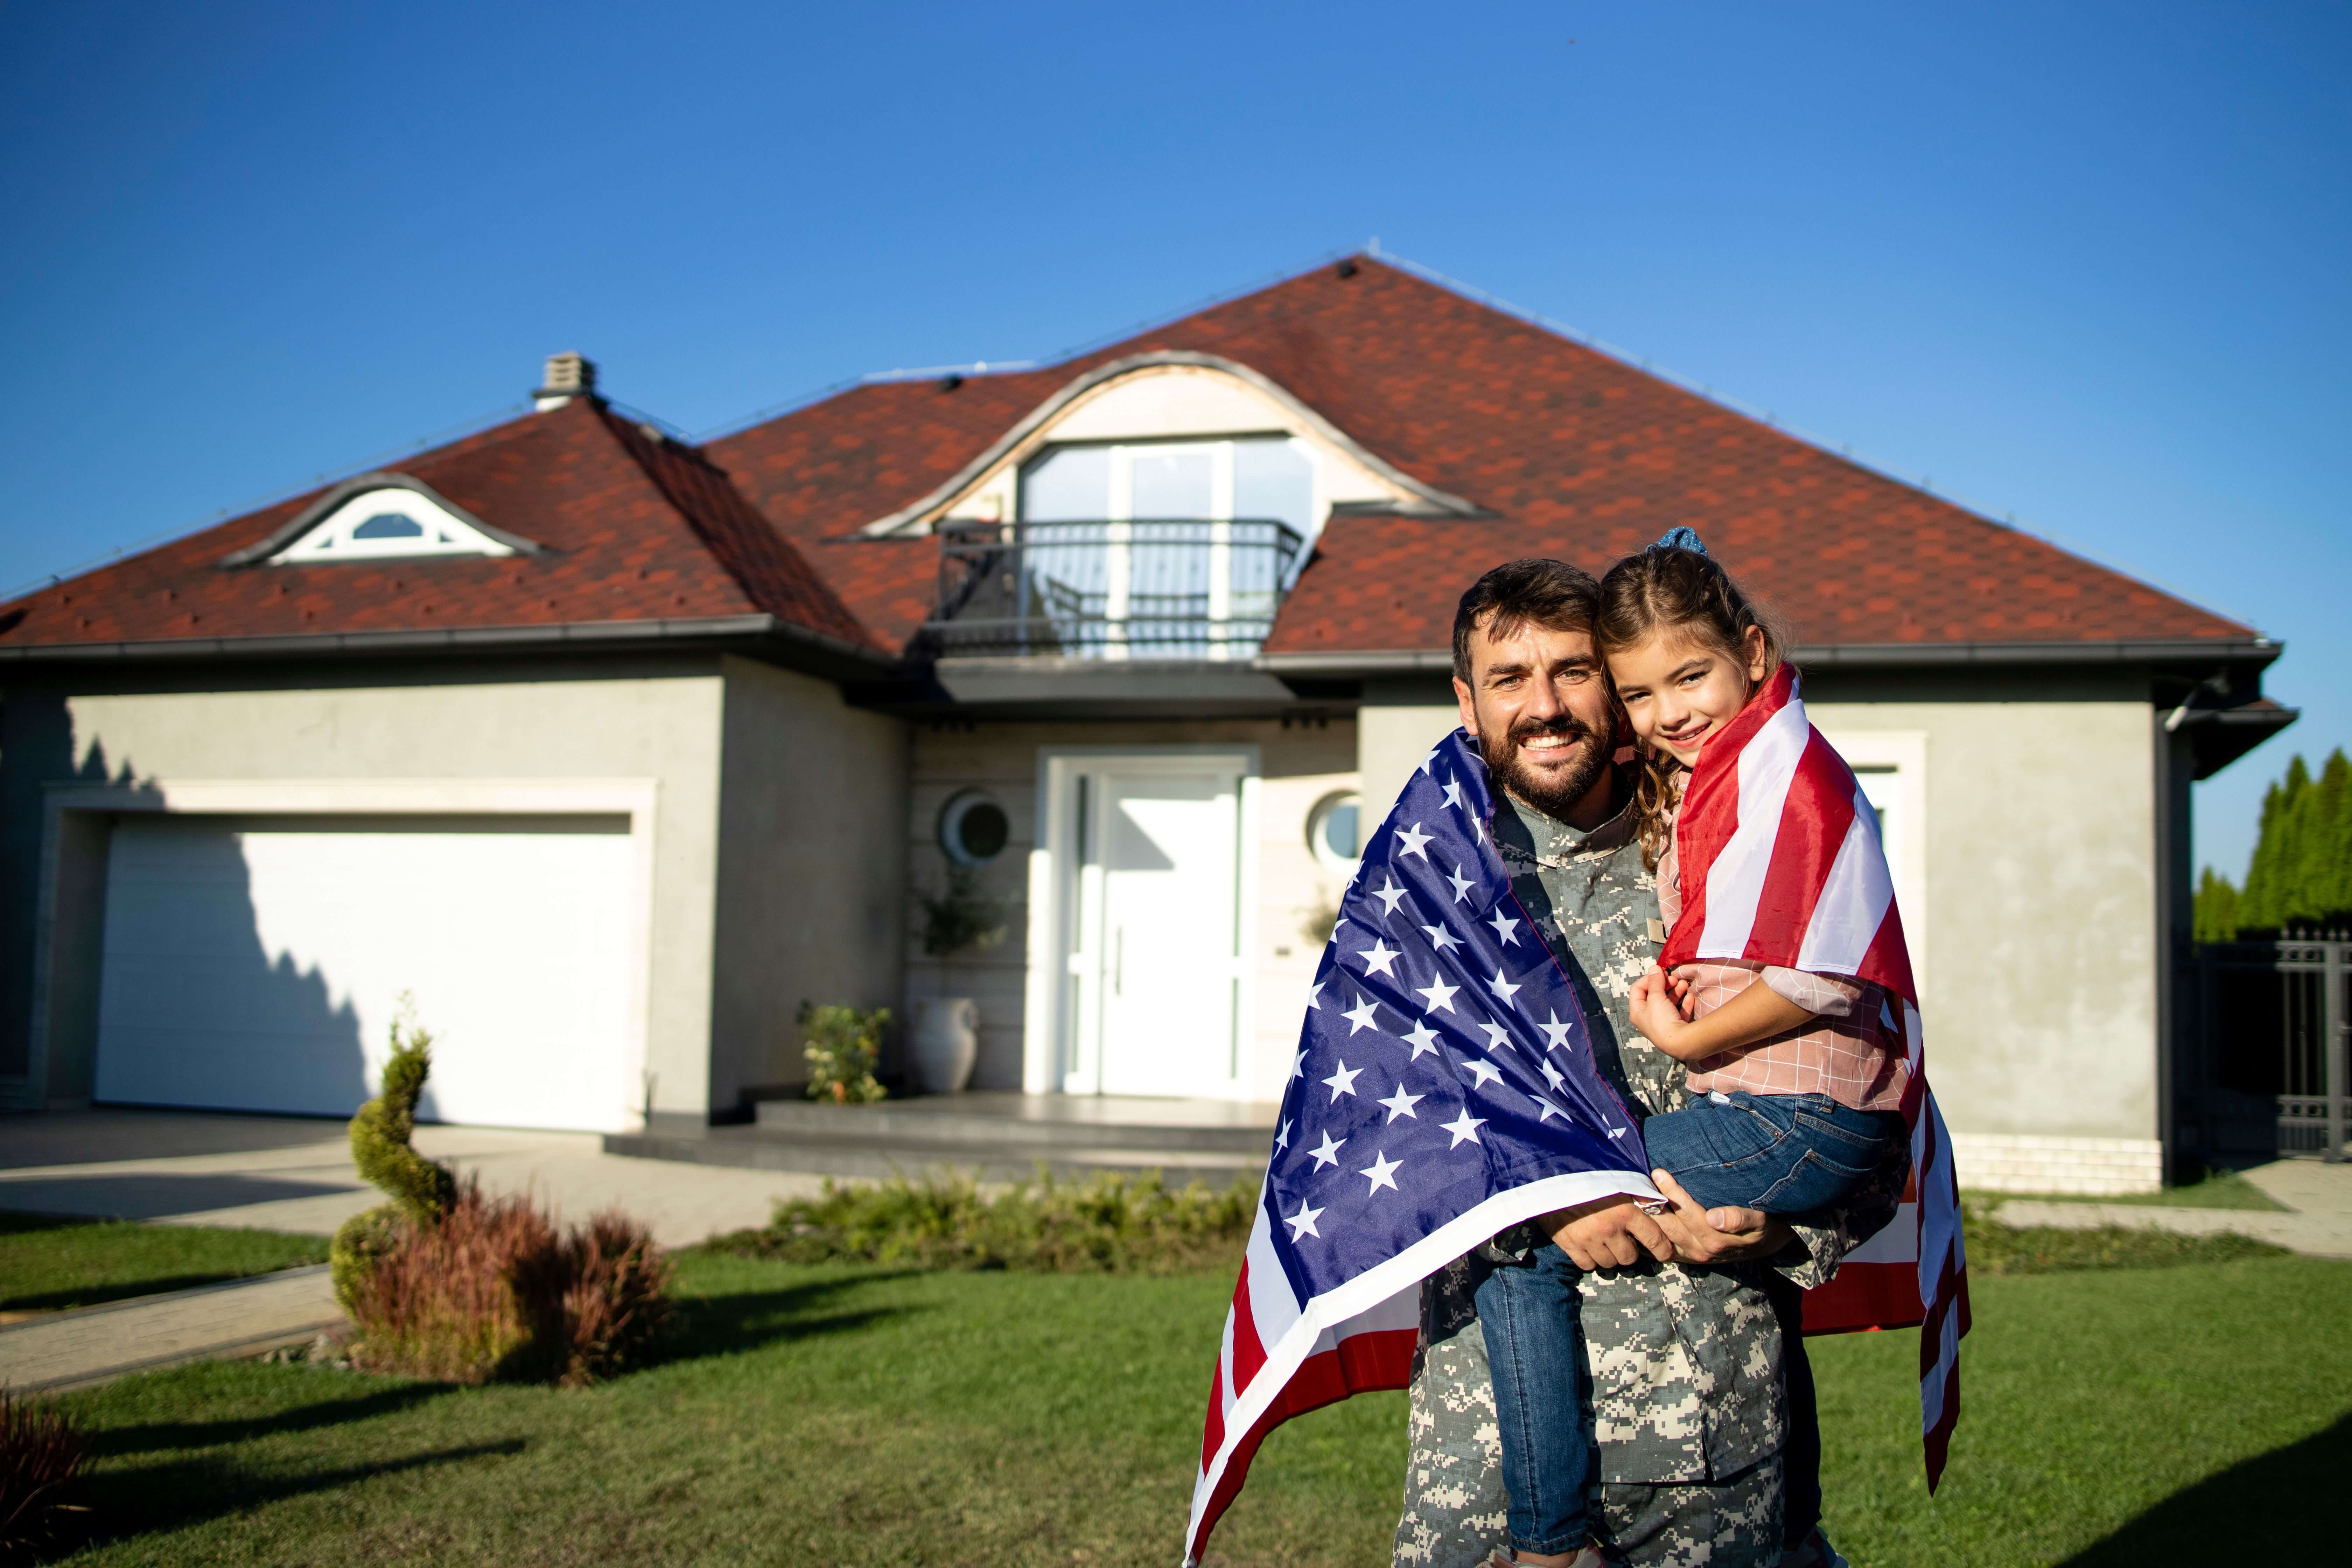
x=844 y=1043
x=1997 y=1248
x=421 y=1190
x=962 y=916
x=1105 y=1224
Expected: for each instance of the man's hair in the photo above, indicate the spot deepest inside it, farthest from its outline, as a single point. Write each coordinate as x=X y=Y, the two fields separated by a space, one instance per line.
x=1534 y=592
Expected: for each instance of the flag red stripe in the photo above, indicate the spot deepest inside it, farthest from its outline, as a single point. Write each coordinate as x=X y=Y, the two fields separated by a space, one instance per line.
x=1361 y=1363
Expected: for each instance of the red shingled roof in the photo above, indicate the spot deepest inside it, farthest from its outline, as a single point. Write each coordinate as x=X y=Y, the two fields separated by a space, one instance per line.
x=635 y=529
x=1579 y=455
x=1575 y=454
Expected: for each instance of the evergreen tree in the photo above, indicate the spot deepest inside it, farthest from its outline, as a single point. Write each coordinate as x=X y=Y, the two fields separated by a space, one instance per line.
x=2300 y=874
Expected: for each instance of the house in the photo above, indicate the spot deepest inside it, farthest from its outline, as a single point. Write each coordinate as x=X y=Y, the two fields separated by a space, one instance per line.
x=612 y=749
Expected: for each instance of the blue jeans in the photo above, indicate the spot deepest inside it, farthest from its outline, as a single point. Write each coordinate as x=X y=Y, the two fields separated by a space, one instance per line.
x=1783 y=1154
x=1535 y=1344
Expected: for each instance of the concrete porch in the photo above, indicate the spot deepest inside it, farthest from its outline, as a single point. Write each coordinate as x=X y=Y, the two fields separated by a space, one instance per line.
x=998 y=1135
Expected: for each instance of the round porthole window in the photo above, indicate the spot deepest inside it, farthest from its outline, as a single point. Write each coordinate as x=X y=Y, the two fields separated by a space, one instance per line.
x=973 y=828
x=1334 y=830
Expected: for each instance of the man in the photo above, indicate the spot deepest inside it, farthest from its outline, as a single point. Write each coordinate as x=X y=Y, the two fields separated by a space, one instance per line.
x=1684 y=1347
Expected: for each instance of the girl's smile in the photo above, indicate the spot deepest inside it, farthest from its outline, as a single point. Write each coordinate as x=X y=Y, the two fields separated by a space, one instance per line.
x=1677 y=691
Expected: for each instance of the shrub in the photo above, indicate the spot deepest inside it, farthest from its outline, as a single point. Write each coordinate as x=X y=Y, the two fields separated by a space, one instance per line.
x=493 y=1288
x=41 y=1460
x=1108 y=1222
x=421 y=1190
x=963 y=916
x=844 y=1043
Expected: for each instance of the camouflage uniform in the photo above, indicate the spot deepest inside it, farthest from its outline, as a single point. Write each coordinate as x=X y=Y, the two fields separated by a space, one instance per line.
x=1686 y=1401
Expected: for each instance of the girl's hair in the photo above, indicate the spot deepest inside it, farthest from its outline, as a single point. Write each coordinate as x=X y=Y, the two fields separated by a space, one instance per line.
x=1676 y=586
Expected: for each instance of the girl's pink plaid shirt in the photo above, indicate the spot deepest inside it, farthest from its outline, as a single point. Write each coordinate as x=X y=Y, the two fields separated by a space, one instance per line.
x=1848 y=1053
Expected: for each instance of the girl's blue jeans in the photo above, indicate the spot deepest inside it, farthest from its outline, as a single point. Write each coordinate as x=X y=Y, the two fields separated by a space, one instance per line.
x=1783 y=1153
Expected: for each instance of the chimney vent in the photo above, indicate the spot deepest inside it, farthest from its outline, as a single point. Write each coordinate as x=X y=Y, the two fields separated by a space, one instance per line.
x=569 y=375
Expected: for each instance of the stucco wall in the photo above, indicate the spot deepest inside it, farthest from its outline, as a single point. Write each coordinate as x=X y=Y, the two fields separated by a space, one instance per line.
x=2040 y=927
x=1300 y=763
x=453 y=720
x=813 y=811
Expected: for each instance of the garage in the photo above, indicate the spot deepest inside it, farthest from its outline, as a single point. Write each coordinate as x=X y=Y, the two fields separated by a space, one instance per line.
x=257 y=963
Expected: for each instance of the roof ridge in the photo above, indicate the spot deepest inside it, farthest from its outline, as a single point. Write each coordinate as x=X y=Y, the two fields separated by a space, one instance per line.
x=768 y=566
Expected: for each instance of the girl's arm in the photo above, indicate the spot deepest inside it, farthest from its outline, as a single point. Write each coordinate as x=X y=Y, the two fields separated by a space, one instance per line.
x=1759 y=1013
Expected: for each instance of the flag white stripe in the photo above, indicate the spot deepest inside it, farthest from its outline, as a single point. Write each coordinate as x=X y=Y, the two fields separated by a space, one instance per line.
x=1274 y=1305
x=1899 y=1242
x=1767 y=763
x=1225 y=1367
x=1939 y=1218
x=1853 y=902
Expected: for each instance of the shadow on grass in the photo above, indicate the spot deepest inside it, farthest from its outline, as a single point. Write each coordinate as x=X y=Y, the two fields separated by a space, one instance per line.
x=724 y=1325
x=168 y=1435
x=183 y=1492
x=2285 y=1505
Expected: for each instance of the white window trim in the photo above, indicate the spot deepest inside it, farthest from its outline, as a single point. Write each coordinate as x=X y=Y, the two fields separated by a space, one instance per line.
x=330 y=540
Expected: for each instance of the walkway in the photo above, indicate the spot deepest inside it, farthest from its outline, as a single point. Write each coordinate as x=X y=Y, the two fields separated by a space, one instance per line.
x=286 y=1174
x=2318 y=1198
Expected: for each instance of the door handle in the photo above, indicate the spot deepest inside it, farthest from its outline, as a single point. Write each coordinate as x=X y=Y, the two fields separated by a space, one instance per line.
x=1118 y=962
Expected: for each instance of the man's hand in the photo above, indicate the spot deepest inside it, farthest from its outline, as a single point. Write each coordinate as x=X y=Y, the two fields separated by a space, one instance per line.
x=1714 y=1235
x=1608 y=1233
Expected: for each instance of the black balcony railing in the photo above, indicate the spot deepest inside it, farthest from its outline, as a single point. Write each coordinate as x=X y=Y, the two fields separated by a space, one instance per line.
x=1145 y=588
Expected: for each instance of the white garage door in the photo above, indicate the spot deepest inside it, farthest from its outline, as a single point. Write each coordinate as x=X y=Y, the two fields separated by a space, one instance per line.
x=256 y=965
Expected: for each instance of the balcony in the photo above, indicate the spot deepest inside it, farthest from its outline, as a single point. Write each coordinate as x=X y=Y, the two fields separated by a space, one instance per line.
x=1186 y=589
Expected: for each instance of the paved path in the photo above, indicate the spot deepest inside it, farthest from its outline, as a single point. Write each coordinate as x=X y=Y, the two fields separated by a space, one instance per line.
x=286 y=1174
x=2317 y=1198
x=74 y=1350
x=279 y=1173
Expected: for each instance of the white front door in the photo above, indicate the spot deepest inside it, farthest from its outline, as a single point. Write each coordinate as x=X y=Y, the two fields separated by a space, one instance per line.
x=1153 y=999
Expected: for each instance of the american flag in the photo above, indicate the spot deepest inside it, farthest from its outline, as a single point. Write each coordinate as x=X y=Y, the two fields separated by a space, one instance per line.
x=1782 y=864
x=1444 y=1090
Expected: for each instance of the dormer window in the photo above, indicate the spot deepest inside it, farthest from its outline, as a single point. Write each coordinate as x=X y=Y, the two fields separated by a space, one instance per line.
x=378 y=517
x=1268 y=478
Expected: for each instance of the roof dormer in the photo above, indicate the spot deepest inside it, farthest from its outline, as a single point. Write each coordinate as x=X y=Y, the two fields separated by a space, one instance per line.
x=378 y=517
x=1166 y=400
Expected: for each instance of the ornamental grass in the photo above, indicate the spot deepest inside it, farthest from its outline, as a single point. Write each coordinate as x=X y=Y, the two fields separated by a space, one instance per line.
x=1108 y=1223
x=494 y=1290
x=42 y=1456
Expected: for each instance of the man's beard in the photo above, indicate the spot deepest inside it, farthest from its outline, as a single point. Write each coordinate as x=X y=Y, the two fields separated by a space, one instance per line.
x=1554 y=791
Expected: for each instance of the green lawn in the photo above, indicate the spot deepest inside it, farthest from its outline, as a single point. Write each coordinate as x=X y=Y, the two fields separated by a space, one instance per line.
x=48 y=1263
x=833 y=1414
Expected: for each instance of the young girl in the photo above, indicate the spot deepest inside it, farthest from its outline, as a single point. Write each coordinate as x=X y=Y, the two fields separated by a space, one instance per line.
x=1796 y=1077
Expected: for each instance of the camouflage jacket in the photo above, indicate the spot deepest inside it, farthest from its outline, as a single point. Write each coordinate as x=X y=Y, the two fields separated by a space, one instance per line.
x=1685 y=1362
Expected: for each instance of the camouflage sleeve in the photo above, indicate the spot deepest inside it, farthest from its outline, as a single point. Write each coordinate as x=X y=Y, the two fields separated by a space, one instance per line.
x=1823 y=1238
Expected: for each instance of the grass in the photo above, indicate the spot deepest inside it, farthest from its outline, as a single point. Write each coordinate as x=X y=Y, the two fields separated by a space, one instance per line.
x=48 y=1263
x=838 y=1414
x=2215 y=1190
x=2000 y=1249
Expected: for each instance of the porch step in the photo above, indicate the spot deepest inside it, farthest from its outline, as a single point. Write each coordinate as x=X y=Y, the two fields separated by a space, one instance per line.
x=1054 y=1122
x=876 y=1158
x=994 y=1136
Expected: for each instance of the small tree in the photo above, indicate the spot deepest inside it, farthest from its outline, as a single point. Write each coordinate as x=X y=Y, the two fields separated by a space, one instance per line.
x=421 y=1190
x=2300 y=873
x=844 y=1043
x=964 y=916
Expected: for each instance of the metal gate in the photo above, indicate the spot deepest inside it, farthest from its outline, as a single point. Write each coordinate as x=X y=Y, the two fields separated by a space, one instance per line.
x=2277 y=1017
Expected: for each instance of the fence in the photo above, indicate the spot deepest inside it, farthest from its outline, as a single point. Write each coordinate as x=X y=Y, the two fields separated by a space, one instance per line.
x=2277 y=1033
x=1125 y=588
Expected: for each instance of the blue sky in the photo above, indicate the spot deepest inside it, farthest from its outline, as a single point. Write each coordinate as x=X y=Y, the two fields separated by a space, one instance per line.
x=2090 y=264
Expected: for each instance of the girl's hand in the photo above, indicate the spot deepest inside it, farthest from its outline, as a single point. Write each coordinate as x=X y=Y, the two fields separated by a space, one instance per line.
x=1656 y=1011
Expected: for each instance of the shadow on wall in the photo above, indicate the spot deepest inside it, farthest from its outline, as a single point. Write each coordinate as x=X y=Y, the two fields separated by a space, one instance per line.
x=158 y=960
